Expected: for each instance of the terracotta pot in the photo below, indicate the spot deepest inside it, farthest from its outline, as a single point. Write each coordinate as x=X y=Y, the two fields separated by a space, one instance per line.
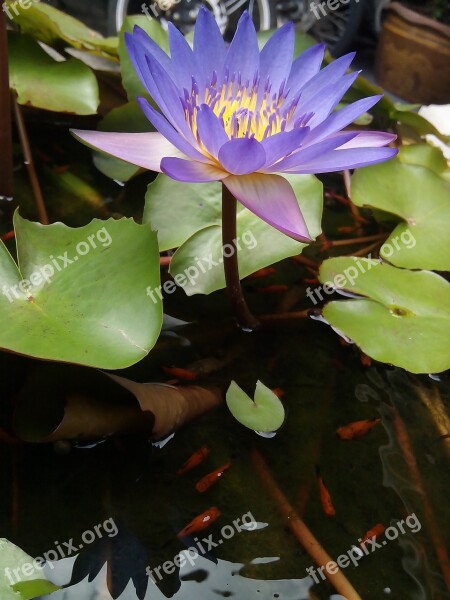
x=413 y=56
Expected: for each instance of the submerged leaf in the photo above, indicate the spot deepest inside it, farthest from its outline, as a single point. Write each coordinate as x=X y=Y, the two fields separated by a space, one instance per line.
x=264 y=414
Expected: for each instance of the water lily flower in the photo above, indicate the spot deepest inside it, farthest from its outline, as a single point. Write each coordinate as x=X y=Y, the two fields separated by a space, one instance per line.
x=243 y=117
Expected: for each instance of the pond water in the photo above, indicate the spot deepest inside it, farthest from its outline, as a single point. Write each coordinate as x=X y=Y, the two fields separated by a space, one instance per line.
x=124 y=502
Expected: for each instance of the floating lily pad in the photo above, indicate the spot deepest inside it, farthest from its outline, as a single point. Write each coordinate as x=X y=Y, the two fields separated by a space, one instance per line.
x=264 y=414
x=403 y=318
x=194 y=223
x=418 y=195
x=130 y=79
x=56 y=28
x=80 y=294
x=31 y=582
x=40 y=81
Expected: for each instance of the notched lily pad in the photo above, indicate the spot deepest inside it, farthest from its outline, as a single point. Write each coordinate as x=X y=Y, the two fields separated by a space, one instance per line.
x=402 y=318
x=264 y=414
x=418 y=195
x=79 y=295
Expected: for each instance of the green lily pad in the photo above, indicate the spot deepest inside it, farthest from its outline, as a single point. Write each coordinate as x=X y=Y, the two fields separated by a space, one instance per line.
x=56 y=28
x=79 y=295
x=28 y=580
x=126 y=118
x=264 y=414
x=130 y=79
x=194 y=224
x=404 y=318
x=40 y=81
x=425 y=156
x=418 y=195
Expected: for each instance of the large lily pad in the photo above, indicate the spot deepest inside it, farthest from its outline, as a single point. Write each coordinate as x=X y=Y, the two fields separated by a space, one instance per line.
x=264 y=414
x=79 y=295
x=404 y=318
x=30 y=582
x=130 y=79
x=189 y=216
x=417 y=194
x=40 y=81
x=56 y=28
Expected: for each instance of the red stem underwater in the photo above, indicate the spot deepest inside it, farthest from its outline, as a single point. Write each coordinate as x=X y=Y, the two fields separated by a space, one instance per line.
x=6 y=162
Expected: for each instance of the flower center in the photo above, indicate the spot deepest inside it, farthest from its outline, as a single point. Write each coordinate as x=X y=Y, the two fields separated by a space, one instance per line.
x=245 y=109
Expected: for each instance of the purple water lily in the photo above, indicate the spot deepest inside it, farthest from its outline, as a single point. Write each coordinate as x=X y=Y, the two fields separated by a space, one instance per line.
x=242 y=116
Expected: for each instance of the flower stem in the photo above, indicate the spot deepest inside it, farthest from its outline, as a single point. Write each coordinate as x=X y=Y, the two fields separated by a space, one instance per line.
x=245 y=319
x=6 y=163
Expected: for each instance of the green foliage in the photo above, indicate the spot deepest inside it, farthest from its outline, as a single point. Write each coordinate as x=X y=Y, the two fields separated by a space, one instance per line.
x=265 y=413
x=40 y=81
x=188 y=217
x=93 y=310
x=403 y=317
x=32 y=582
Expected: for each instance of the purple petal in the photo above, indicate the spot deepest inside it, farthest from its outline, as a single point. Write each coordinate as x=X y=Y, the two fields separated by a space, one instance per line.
x=305 y=67
x=140 y=37
x=324 y=102
x=171 y=103
x=276 y=57
x=326 y=78
x=243 y=53
x=163 y=126
x=183 y=61
x=210 y=130
x=143 y=149
x=209 y=47
x=337 y=160
x=342 y=118
x=369 y=139
x=280 y=145
x=241 y=156
x=272 y=199
x=191 y=170
x=306 y=155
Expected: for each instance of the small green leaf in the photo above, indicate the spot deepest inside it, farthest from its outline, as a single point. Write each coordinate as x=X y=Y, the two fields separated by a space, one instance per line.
x=28 y=580
x=404 y=318
x=189 y=216
x=420 y=197
x=264 y=414
x=130 y=78
x=80 y=294
x=68 y=86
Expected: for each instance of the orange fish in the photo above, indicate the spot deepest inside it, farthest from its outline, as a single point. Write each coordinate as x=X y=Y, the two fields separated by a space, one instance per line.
x=272 y=289
x=325 y=498
x=194 y=460
x=208 y=480
x=279 y=392
x=376 y=531
x=262 y=273
x=179 y=373
x=356 y=429
x=200 y=522
x=8 y=236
